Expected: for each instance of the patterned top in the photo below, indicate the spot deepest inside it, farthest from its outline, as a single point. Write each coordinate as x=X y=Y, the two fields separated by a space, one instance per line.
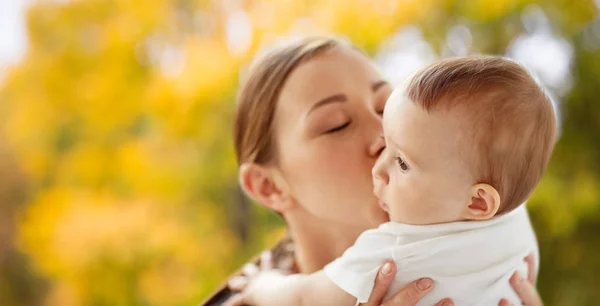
x=283 y=259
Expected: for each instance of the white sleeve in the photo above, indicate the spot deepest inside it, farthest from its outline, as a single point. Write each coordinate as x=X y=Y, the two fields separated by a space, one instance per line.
x=355 y=271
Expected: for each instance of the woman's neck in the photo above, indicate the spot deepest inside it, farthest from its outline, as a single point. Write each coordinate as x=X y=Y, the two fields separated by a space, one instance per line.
x=318 y=242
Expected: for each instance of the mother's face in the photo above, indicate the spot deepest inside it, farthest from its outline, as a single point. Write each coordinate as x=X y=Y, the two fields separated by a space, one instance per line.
x=328 y=135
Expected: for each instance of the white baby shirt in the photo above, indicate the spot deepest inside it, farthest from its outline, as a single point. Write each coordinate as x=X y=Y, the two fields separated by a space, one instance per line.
x=470 y=262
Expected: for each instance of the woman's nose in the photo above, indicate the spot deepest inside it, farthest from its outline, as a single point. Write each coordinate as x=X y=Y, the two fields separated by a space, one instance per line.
x=377 y=146
x=373 y=131
x=379 y=172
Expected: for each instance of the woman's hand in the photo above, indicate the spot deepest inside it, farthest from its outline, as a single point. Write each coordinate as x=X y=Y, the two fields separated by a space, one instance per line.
x=524 y=287
x=408 y=296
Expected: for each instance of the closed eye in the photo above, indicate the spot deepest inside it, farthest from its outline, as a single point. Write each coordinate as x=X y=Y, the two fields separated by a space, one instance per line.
x=338 y=128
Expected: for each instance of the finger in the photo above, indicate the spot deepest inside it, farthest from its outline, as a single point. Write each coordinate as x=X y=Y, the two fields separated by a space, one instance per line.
x=525 y=290
x=266 y=261
x=445 y=302
x=238 y=283
x=412 y=293
x=505 y=302
x=531 y=275
x=385 y=277
x=236 y=300
x=250 y=270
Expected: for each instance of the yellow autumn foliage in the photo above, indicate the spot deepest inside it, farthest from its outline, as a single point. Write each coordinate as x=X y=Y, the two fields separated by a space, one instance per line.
x=120 y=118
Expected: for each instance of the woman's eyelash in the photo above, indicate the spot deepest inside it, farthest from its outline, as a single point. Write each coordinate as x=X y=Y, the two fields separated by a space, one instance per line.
x=338 y=128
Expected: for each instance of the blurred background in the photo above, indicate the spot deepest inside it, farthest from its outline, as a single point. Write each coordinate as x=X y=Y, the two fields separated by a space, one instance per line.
x=117 y=175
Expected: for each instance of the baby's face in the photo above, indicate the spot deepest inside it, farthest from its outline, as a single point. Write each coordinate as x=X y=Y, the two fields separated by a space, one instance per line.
x=421 y=177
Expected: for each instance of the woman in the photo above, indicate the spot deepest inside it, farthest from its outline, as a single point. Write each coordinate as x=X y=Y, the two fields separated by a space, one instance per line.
x=307 y=133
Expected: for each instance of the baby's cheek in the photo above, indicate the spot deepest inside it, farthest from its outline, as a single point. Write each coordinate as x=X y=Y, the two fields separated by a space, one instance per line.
x=427 y=210
x=413 y=207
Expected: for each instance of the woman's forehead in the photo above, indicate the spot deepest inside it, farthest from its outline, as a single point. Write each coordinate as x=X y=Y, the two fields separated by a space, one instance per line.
x=332 y=72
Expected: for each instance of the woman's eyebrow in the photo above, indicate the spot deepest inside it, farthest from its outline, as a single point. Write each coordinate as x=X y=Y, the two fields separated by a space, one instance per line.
x=342 y=97
x=328 y=100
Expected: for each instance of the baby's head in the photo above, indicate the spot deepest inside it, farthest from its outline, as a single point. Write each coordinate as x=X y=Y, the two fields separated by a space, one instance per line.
x=467 y=139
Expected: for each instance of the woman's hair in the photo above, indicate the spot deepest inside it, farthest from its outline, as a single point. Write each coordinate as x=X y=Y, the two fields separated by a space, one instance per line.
x=259 y=92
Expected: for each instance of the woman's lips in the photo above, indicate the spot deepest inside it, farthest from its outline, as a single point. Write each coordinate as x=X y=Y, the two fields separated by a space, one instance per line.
x=383 y=206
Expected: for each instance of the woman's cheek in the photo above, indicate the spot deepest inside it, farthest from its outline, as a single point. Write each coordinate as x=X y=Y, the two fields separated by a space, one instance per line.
x=351 y=171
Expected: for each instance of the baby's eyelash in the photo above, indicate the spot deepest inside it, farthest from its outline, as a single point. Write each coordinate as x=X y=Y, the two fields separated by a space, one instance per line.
x=403 y=165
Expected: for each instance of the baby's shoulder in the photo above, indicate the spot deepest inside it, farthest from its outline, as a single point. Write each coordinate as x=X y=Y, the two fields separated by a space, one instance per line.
x=379 y=236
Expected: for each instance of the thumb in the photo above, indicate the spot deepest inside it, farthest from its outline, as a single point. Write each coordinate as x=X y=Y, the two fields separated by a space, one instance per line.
x=384 y=279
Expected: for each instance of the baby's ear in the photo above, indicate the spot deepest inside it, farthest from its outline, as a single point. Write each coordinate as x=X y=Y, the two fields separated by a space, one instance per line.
x=484 y=202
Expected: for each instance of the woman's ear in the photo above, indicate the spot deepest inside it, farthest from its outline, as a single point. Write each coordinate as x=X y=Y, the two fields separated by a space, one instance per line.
x=259 y=183
x=484 y=202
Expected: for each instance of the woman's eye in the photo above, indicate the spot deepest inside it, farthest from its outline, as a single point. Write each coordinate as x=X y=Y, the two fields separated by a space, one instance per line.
x=338 y=128
x=403 y=165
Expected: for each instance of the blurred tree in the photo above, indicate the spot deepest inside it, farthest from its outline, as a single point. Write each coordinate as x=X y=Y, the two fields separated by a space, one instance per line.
x=120 y=118
x=114 y=134
x=17 y=286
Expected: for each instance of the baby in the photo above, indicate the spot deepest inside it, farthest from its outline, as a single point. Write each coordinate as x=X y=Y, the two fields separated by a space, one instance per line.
x=467 y=140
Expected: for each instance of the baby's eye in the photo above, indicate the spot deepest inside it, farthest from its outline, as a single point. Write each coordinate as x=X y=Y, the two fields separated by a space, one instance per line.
x=403 y=165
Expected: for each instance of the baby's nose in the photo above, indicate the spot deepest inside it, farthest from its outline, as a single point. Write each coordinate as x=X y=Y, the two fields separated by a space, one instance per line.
x=379 y=173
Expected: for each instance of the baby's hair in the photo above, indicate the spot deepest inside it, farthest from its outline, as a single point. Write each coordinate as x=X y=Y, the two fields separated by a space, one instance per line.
x=509 y=121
